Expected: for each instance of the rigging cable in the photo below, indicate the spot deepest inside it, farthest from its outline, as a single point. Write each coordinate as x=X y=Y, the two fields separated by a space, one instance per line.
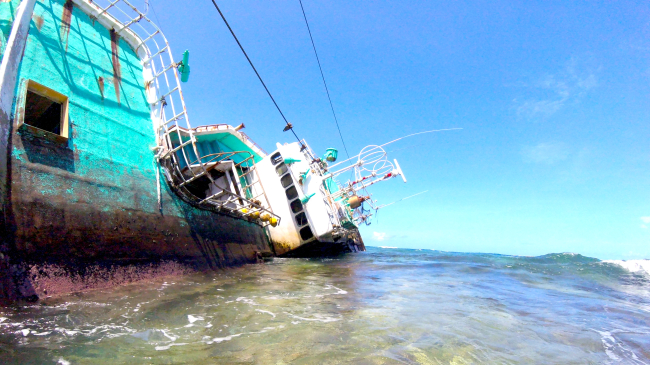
x=289 y=126
x=323 y=76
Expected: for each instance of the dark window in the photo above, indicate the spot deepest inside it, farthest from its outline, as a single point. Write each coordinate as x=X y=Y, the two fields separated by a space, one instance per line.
x=296 y=206
x=286 y=180
x=43 y=113
x=292 y=193
x=301 y=219
x=276 y=158
x=281 y=169
x=305 y=233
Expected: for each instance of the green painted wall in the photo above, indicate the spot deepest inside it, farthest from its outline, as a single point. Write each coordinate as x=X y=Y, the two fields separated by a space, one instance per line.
x=110 y=128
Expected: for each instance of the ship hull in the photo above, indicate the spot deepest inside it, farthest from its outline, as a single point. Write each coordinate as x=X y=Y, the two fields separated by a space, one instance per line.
x=69 y=240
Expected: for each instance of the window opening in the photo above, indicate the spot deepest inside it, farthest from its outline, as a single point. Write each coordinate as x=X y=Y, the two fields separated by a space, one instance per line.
x=292 y=193
x=301 y=219
x=306 y=233
x=281 y=169
x=276 y=158
x=45 y=109
x=296 y=206
x=286 y=180
x=43 y=113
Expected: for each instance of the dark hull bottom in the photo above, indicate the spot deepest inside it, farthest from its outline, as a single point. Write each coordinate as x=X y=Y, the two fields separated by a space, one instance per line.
x=54 y=248
x=326 y=249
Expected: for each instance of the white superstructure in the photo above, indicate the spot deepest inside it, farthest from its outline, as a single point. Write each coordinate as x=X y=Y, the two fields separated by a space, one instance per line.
x=318 y=213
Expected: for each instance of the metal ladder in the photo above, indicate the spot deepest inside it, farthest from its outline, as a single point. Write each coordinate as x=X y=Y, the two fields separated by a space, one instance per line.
x=176 y=143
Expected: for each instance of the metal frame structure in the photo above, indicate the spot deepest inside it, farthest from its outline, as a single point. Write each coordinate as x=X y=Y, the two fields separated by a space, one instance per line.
x=370 y=166
x=175 y=139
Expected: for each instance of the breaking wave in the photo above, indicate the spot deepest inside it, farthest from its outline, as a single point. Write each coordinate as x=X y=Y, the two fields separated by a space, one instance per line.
x=633 y=266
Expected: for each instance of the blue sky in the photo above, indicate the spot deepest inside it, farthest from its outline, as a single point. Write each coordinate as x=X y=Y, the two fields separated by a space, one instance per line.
x=552 y=96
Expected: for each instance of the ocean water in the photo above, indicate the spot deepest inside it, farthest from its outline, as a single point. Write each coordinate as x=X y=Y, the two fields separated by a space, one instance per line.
x=384 y=306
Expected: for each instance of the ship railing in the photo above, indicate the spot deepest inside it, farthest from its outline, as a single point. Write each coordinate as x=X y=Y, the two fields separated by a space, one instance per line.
x=244 y=197
x=176 y=143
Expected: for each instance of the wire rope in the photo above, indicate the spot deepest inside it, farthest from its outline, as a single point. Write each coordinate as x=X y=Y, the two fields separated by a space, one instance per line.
x=323 y=76
x=289 y=126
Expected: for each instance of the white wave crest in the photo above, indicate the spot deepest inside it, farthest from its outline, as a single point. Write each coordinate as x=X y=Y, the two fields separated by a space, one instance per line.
x=617 y=350
x=167 y=347
x=632 y=265
x=316 y=318
x=193 y=319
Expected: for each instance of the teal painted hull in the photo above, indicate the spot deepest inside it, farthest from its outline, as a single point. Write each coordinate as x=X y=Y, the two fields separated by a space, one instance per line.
x=85 y=212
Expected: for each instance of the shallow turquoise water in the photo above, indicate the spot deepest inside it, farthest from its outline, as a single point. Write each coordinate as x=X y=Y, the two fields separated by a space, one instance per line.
x=384 y=306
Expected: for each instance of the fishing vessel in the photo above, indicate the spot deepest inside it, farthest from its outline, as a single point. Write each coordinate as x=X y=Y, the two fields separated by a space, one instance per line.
x=104 y=181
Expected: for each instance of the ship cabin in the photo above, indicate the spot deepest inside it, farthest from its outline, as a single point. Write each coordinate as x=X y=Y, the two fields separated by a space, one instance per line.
x=317 y=219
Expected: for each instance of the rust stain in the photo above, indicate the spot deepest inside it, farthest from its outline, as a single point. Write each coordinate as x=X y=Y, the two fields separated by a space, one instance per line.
x=39 y=22
x=117 y=71
x=66 y=19
x=100 y=82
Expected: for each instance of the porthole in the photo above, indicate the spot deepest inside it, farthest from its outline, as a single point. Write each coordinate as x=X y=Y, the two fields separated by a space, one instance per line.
x=306 y=233
x=296 y=206
x=301 y=219
x=292 y=193
x=276 y=158
x=286 y=180
x=281 y=169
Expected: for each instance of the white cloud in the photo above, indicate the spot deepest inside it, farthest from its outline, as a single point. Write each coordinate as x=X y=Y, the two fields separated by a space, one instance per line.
x=537 y=108
x=379 y=236
x=645 y=220
x=552 y=92
x=545 y=153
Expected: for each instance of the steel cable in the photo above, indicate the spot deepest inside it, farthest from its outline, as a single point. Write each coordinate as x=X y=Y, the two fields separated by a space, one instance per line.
x=289 y=126
x=323 y=76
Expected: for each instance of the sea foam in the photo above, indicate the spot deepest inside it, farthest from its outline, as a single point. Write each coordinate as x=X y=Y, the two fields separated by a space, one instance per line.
x=642 y=266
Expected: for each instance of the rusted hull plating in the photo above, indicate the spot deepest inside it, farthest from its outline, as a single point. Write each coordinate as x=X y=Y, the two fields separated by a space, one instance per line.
x=61 y=242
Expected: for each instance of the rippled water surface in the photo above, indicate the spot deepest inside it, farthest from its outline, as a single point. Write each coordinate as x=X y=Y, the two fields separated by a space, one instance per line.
x=384 y=306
